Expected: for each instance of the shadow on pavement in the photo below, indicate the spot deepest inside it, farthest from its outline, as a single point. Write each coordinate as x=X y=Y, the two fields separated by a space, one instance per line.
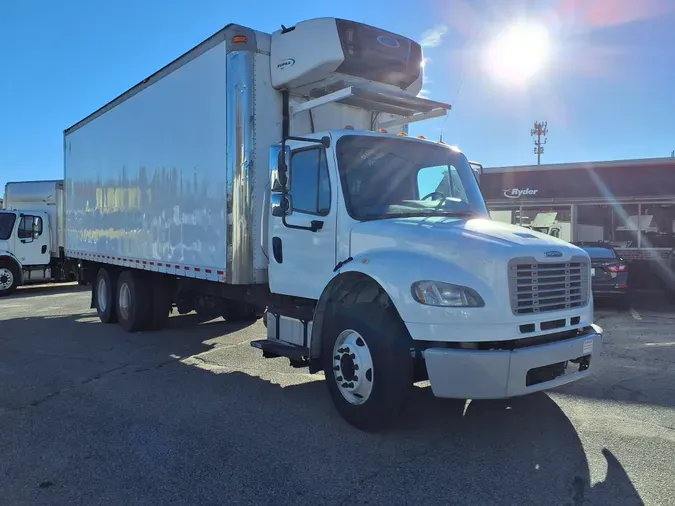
x=35 y=290
x=637 y=364
x=89 y=414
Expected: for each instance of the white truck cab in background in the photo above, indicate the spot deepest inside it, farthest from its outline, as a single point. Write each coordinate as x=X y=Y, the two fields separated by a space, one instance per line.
x=32 y=235
x=270 y=173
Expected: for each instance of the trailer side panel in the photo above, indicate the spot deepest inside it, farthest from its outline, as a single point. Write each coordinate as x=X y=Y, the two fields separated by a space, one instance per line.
x=146 y=181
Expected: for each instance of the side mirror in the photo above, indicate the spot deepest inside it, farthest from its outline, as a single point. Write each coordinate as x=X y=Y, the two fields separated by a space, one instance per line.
x=280 y=169
x=36 y=227
x=477 y=170
x=281 y=205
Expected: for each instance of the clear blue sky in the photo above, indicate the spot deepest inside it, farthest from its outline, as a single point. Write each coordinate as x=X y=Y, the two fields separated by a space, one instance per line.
x=608 y=91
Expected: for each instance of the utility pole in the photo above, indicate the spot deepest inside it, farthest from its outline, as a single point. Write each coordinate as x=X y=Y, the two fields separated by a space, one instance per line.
x=540 y=130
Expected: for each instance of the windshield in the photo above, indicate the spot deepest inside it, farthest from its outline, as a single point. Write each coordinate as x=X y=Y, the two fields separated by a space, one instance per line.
x=600 y=253
x=384 y=178
x=6 y=225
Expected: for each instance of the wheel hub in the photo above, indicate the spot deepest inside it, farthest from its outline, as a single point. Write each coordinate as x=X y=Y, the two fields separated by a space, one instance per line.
x=353 y=367
x=347 y=366
x=124 y=302
x=102 y=294
x=6 y=278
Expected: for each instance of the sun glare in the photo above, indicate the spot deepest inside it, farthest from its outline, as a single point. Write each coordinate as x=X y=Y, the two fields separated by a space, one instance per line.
x=517 y=54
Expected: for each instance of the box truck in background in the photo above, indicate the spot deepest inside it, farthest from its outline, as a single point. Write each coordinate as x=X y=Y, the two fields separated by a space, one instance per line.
x=32 y=236
x=255 y=174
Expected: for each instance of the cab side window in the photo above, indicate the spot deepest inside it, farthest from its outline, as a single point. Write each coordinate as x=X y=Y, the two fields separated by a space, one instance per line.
x=25 y=230
x=310 y=183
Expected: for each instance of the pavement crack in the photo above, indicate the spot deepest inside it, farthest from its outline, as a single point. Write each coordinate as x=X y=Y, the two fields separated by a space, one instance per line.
x=104 y=373
x=365 y=480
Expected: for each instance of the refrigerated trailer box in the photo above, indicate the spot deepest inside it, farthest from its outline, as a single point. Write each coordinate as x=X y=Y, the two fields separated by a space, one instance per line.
x=32 y=235
x=271 y=174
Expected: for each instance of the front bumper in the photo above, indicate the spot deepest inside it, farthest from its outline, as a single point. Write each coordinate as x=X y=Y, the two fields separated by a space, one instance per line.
x=498 y=374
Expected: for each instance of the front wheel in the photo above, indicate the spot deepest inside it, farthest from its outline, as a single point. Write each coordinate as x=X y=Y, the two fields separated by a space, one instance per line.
x=9 y=280
x=367 y=363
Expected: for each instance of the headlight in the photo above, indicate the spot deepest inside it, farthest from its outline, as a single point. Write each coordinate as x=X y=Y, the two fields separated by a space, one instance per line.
x=437 y=293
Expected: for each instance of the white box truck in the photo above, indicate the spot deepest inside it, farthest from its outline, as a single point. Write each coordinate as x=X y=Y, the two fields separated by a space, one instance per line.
x=32 y=236
x=255 y=173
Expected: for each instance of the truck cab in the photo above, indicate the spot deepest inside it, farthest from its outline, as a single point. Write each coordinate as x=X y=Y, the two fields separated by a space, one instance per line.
x=392 y=237
x=31 y=235
x=24 y=246
x=342 y=194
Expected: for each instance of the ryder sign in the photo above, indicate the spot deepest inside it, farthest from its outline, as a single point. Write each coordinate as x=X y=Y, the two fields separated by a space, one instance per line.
x=516 y=193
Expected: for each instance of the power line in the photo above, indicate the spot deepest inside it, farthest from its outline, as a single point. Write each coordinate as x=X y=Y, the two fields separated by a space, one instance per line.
x=540 y=130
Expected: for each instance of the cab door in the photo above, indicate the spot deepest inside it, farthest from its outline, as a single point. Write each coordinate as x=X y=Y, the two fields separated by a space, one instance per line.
x=31 y=246
x=301 y=243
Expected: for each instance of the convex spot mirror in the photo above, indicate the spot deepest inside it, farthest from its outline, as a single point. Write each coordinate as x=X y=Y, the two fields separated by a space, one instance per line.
x=282 y=205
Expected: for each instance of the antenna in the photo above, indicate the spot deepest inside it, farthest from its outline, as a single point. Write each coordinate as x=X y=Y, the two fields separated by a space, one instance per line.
x=540 y=130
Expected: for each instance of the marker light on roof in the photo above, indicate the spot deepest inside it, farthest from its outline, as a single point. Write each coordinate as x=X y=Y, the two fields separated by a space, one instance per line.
x=402 y=134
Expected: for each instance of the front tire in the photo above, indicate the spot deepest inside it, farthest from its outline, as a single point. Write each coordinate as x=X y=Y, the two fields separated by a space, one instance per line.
x=367 y=363
x=9 y=280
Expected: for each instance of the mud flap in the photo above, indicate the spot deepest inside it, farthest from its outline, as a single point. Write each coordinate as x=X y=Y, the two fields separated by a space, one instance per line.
x=93 y=296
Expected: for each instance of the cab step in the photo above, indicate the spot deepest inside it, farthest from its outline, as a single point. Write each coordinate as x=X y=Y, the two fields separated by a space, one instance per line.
x=273 y=348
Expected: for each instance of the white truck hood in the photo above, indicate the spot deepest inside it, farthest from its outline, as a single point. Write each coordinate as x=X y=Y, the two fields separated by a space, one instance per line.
x=467 y=243
x=474 y=253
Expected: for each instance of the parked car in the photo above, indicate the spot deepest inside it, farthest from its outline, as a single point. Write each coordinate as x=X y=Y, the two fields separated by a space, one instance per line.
x=609 y=273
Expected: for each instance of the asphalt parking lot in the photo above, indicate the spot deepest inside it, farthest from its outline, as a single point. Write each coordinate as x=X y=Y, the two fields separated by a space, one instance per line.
x=193 y=414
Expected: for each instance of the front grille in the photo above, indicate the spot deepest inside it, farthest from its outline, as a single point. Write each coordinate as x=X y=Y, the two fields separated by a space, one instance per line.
x=536 y=287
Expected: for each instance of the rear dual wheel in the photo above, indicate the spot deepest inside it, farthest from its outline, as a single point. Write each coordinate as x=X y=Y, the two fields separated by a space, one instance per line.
x=134 y=300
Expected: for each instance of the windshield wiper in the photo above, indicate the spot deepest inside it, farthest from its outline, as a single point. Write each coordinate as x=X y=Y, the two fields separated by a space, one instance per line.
x=434 y=214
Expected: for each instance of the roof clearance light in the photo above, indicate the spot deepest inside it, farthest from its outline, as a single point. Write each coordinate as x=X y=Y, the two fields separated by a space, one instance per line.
x=239 y=39
x=402 y=134
x=382 y=130
x=349 y=127
x=422 y=137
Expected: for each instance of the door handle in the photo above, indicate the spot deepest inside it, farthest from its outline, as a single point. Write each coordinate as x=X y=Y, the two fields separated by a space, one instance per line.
x=277 y=250
x=316 y=225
